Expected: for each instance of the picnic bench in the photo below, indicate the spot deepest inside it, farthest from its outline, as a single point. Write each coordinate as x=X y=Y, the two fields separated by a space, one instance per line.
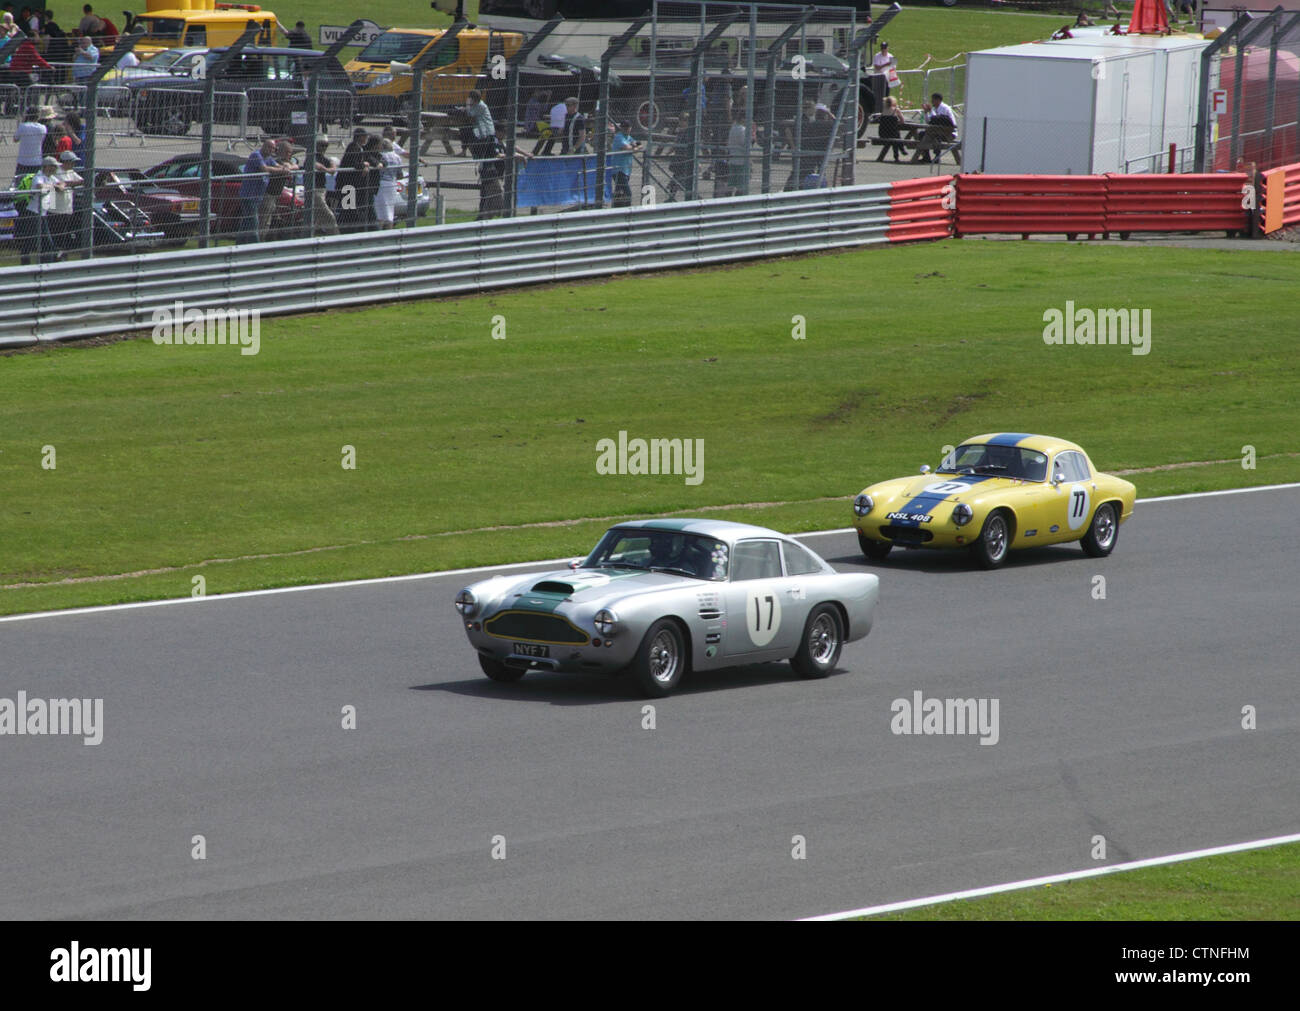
x=910 y=138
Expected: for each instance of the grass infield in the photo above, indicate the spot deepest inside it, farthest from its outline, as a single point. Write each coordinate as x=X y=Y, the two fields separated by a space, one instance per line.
x=177 y=461
x=1255 y=885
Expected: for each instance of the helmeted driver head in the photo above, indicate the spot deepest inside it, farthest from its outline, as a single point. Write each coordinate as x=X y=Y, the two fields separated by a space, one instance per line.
x=665 y=548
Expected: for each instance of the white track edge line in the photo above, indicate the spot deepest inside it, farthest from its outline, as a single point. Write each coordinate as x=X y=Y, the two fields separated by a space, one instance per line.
x=1052 y=879
x=379 y=580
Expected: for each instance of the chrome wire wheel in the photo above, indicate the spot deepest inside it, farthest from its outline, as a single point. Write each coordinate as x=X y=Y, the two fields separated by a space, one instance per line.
x=665 y=656
x=995 y=537
x=823 y=639
x=1104 y=526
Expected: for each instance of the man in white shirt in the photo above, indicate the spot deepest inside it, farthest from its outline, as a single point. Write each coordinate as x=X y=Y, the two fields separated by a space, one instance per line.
x=30 y=138
x=883 y=60
x=64 y=219
x=558 y=116
x=45 y=187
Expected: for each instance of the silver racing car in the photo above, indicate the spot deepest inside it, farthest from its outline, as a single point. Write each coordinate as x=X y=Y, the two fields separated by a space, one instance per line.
x=661 y=597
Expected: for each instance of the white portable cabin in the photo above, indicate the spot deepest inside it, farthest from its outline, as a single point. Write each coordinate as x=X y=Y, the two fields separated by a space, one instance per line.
x=1089 y=104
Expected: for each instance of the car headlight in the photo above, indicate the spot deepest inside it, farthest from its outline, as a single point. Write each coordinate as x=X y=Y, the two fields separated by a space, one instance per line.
x=863 y=504
x=605 y=621
x=466 y=602
x=962 y=514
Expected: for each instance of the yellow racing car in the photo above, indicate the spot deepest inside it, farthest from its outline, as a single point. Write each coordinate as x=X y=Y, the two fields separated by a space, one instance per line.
x=994 y=493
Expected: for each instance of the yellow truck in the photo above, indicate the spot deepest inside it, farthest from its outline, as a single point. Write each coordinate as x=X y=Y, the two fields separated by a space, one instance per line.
x=170 y=24
x=382 y=70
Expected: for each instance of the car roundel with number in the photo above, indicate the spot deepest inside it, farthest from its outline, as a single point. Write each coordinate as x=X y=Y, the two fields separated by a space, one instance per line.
x=662 y=598
x=995 y=493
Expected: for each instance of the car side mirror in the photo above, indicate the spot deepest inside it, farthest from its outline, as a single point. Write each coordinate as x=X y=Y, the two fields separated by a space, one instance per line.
x=576 y=563
x=1057 y=478
x=925 y=468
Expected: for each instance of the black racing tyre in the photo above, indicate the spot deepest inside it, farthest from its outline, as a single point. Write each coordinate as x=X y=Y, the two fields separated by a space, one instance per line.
x=823 y=639
x=991 y=547
x=1102 y=533
x=661 y=660
x=498 y=671
x=876 y=551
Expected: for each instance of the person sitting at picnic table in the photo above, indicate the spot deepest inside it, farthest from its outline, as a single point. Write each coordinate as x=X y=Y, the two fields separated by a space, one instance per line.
x=940 y=131
x=891 y=124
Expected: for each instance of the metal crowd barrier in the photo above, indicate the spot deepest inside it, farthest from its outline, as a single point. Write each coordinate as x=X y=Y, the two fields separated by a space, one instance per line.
x=65 y=301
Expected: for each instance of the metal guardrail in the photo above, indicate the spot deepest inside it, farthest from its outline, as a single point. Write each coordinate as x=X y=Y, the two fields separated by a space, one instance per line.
x=67 y=301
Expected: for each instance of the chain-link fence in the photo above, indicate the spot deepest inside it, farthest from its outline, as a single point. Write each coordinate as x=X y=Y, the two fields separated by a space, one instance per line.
x=1250 y=94
x=244 y=143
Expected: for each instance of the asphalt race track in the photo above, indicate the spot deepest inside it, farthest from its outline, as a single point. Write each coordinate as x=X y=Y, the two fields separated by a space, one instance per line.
x=1118 y=717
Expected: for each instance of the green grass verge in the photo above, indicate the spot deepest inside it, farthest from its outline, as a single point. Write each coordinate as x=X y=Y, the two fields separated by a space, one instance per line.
x=1256 y=885
x=182 y=461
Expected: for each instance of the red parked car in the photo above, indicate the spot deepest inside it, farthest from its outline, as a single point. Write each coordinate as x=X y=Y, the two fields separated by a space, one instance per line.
x=181 y=176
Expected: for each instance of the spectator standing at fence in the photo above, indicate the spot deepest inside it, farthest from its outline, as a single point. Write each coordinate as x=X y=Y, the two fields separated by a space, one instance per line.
x=738 y=150
x=25 y=64
x=326 y=223
x=45 y=185
x=622 y=147
x=884 y=61
x=26 y=224
x=390 y=167
x=57 y=49
x=90 y=23
x=32 y=22
x=107 y=34
x=279 y=172
x=347 y=182
x=554 y=129
x=575 y=130
x=390 y=133
x=482 y=129
x=252 y=188
x=372 y=161
x=86 y=59
x=63 y=221
x=679 y=168
x=128 y=60
x=53 y=130
x=30 y=138
x=10 y=29
x=297 y=36
x=76 y=130
x=535 y=111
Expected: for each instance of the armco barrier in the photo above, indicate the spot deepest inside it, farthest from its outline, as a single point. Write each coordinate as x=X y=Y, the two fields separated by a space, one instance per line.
x=1026 y=204
x=1280 y=201
x=920 y=209
x=1176 y=203
x=1100 y=205
x=65 y=301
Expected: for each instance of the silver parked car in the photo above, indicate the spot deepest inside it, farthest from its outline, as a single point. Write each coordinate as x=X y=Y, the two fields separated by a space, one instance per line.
x=661 y=597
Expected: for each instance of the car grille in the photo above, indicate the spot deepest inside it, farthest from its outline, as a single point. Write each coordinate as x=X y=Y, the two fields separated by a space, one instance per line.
x=907 y=535
x=533 y=627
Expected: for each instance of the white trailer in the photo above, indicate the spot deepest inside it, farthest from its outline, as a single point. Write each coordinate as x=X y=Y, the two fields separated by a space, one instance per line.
x=1089 y=104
